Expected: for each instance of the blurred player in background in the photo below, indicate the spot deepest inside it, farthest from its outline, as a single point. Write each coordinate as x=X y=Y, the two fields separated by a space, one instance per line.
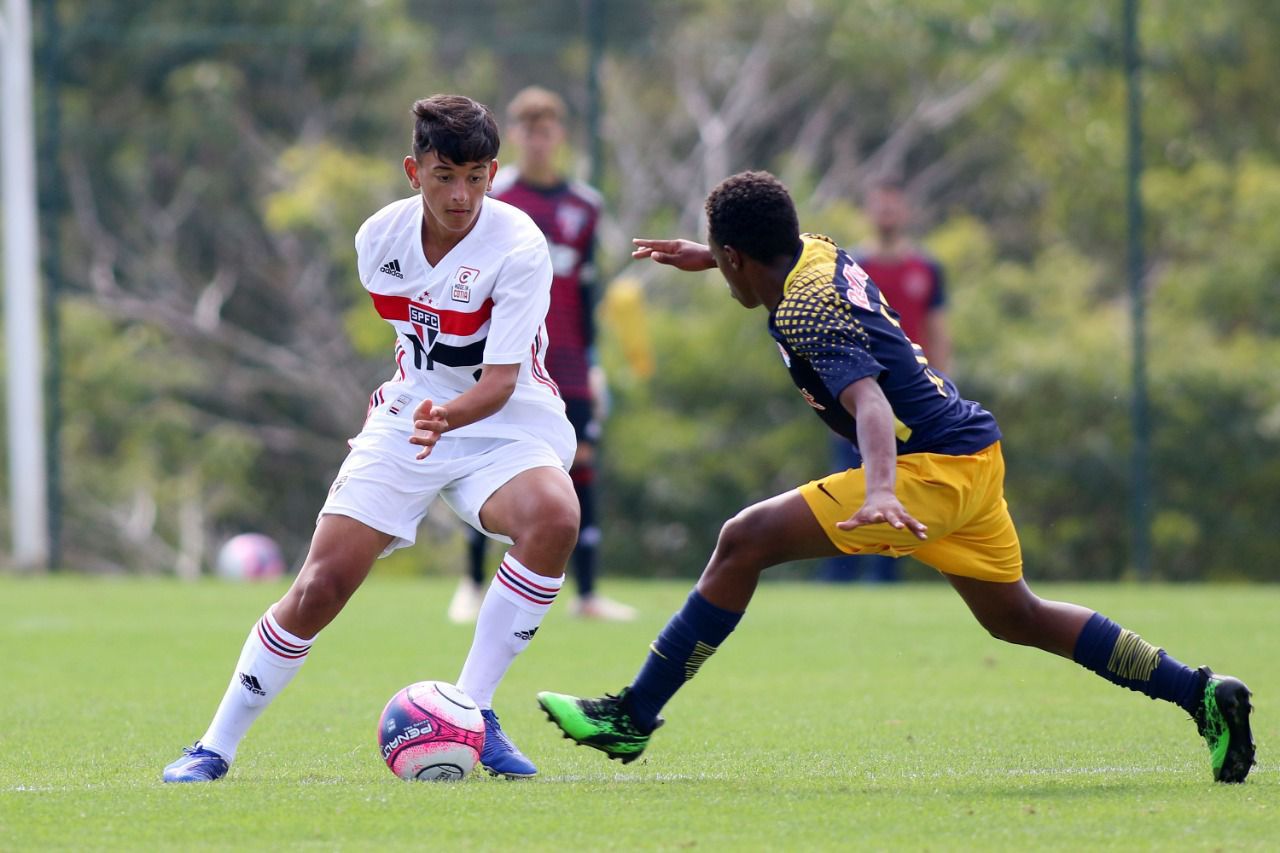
x=567 y=212
x=913 y=283
x=931 y=483
x=469 y=416
x=910 y=279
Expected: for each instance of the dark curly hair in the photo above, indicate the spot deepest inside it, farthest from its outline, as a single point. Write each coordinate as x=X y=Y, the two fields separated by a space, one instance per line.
x=754 y=213
x=457 y=128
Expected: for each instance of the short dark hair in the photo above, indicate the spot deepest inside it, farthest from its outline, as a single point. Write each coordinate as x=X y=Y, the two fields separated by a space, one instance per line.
x=534 y=103
x=457 y=128
x=754 y=213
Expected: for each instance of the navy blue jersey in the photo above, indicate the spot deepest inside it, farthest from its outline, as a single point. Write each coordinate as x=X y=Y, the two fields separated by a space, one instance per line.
x=834 y=328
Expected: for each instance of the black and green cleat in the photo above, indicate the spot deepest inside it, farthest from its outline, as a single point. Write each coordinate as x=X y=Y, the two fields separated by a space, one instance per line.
x=1223 y=722
x=604 y=724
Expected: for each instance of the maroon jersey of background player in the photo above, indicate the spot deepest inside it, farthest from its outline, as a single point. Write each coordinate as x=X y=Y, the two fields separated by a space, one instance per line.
x=913 y=284
x=567 y=213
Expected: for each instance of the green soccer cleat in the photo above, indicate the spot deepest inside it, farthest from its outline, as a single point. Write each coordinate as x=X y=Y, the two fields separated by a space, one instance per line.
x=604 y=724
x=1223 y=722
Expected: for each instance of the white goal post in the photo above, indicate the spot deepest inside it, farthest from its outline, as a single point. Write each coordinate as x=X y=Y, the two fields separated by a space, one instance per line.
x=24 y=362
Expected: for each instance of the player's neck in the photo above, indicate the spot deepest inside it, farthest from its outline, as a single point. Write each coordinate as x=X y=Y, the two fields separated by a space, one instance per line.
x=437 y=241
x=892 y=246
x=771 y=282
x=539 y=175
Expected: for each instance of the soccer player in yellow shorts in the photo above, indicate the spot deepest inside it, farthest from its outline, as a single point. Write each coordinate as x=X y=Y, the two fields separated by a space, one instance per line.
x=931 y=484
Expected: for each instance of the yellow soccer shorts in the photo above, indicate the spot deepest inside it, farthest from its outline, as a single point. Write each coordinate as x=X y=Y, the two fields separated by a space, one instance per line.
x=959 y=498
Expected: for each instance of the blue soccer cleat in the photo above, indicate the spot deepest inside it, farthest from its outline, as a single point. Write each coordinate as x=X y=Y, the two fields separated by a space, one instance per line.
x=197 y=764
x=500 y=756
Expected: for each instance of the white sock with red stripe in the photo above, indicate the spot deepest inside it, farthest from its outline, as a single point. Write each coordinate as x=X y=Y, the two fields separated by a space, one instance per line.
x=268 y=662
x=513 y=608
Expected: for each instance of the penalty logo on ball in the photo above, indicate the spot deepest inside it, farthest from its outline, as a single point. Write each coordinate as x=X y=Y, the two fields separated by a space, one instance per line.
x=431 y=731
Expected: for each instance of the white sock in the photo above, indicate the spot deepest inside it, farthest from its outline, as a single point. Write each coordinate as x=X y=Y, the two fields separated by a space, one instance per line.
x=268 y=662
x=509 y=616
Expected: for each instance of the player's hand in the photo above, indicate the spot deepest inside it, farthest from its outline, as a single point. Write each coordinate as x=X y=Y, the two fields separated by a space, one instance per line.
x=429 y=421
x=885 y=509
x=682 y=254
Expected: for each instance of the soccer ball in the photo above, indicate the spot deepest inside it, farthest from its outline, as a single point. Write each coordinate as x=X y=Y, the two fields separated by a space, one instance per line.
x=431 y=731
x=250 y=557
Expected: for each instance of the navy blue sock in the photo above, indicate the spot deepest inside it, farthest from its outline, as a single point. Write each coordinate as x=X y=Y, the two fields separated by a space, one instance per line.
x=476 y=544
x=1122 y=657
x=690 y=638
x=584 y=553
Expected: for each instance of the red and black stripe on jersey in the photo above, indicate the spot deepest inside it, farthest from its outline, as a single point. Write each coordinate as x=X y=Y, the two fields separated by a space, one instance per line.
x=427 y=353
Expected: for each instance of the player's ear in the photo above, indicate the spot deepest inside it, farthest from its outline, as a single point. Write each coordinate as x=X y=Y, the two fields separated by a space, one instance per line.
x=493 y=170
x=733 y=256
x=411 y=171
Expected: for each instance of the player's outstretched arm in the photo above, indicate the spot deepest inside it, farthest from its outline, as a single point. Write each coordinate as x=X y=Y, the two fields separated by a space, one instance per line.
x=488 y=395
x=879 y=448
x=682 y=254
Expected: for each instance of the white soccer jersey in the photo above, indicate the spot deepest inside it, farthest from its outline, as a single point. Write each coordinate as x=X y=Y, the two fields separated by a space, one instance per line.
x=484 y=303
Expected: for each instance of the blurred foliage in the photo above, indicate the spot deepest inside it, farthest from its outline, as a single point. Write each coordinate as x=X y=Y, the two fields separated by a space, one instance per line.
x=217 y=157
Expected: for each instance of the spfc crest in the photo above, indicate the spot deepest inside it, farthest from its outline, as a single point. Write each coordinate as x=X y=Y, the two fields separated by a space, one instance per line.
x=425 y=322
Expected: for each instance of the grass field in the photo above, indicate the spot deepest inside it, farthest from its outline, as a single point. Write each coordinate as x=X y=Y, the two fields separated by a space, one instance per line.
x=836 y=717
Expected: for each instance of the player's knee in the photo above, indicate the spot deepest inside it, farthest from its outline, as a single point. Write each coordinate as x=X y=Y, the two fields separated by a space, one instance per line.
x=1017 y=624
x=555 y=529
x=319 y=594
x=740 y=545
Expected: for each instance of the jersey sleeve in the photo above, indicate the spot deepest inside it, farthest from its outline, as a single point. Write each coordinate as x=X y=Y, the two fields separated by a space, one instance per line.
x=822 y=329
x=588 y=290
x=364 y=255
x=937 y=299
x=520 y=300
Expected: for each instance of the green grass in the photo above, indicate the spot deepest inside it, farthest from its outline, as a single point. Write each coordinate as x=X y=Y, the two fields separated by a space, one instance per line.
x=836 y=717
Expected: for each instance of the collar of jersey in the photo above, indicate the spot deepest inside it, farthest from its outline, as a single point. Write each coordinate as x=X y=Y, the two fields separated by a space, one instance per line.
x=815 y=250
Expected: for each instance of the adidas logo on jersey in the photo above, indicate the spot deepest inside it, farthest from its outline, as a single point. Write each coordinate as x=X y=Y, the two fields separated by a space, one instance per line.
x=392 y=268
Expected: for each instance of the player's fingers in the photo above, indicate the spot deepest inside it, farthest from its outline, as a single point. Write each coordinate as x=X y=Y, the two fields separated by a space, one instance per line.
x=904 y=519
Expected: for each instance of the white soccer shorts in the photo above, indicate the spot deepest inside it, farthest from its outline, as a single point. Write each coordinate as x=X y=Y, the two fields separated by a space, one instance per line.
x=382 y=485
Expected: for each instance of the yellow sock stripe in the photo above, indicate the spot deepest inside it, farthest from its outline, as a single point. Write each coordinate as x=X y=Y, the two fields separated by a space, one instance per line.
x=1133 y=657
x=701 y=651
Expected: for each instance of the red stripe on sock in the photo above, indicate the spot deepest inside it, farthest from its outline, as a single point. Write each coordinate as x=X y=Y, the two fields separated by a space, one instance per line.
x=521 y=592
x=271 y=638
x=523 y=578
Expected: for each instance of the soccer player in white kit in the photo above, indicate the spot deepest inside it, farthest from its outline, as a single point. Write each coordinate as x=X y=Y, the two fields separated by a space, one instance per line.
x=470 y=415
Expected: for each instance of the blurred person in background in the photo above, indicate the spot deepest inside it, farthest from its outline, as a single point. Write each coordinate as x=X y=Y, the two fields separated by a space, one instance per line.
x=914 y=284
x=567 y=212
